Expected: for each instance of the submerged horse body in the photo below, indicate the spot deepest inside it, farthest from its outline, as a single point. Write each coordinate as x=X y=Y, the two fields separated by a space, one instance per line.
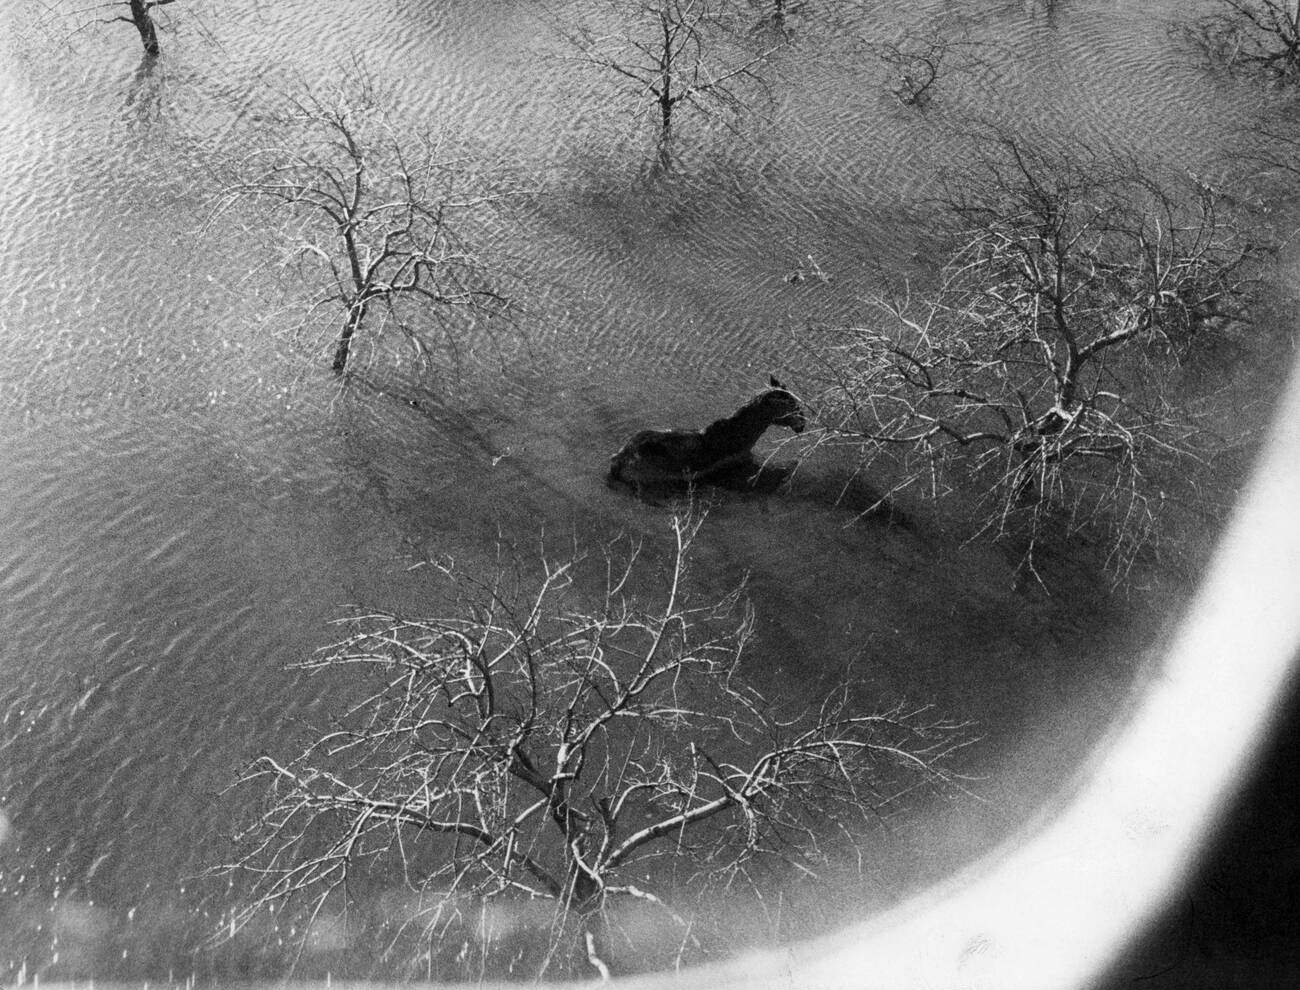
x=673 y=457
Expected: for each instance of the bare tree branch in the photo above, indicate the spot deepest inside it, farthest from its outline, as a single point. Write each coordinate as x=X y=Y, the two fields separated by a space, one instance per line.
x=379 y=219
x=1255 y=36
x=536 y=747
x=675 y=53
x=1043 y=368
x=917 y=60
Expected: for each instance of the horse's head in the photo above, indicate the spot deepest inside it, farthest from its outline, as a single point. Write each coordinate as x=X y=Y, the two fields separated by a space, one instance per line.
x=781 y=408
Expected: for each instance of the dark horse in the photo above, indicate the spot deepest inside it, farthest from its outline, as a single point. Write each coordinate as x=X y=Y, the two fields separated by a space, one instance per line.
x=667 y=458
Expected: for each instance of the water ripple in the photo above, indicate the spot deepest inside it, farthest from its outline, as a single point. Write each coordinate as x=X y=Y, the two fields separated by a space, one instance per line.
x=189 y=494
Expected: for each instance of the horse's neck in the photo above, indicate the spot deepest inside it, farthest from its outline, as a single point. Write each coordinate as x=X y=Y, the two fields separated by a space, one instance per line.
x=737 y=432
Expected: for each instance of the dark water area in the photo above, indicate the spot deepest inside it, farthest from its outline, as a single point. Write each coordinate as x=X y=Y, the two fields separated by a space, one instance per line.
x=190 y=498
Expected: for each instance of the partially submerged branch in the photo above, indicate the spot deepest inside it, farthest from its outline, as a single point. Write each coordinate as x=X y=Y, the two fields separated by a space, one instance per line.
x=918 y=61
x=1254 y=36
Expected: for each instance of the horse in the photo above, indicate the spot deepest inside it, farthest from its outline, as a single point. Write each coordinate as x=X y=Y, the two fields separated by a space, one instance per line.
x=668 y=458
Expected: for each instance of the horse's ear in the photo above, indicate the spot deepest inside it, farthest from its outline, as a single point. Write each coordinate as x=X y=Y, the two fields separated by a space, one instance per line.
x=775 y=383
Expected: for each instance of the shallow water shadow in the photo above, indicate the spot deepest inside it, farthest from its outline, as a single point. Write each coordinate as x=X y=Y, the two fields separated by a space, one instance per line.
x=791 y=481
x=848 y=492
x=749 y=477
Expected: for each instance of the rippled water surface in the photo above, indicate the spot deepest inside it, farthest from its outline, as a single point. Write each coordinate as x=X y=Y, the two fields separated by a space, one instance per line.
x=189 y=497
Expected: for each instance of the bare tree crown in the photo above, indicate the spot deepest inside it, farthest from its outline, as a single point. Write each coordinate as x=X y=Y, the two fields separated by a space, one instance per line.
x=582 y=758
x=378 y=220
x=674 y=54
x=1257 y=36
x=1045 y=361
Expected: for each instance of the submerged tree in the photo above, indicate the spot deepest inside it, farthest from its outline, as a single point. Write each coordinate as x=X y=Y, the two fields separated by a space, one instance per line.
x=142 y=18
x=917 y=61
x=1044 y=368
x=594 y=761
x=141 y=14
x=1260 y=36
x=676 y=53
x=380 y=219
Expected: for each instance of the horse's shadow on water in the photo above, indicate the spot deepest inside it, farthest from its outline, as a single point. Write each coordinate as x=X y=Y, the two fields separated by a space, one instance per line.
x=751 y=478
x=755 y=480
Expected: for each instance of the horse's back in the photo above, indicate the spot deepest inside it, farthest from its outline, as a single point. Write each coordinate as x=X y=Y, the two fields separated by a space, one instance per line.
x=673 y=457
x=653 y=457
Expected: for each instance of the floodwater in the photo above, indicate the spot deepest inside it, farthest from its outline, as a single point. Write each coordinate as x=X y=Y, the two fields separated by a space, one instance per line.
x=190 y=497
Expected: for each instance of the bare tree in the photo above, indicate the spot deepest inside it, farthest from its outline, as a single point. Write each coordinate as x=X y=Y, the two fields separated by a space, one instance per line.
x=780 y=9
x=142 y=18
x=536 y=751
x=378 y=218
x=140 y=14
x=1044 y=367
x=917 y=60
x=1261 y=36
x=675 y=53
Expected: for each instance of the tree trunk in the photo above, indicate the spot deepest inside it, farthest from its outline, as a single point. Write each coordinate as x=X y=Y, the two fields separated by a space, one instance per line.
x=665 y=132
x=144 y=24
x=343 y=347
x=1293 y=21
x=666 y=100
